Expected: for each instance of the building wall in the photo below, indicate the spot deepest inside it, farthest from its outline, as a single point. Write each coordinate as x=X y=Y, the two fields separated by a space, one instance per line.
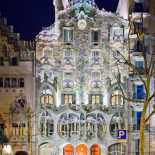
x=145 y=16
x=17 y=86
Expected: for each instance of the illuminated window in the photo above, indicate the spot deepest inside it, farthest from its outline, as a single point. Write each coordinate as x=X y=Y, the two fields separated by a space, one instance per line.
x=68 y=150
x=68 y=98
x=19 y=129
x=47 y=97
x=95 y=149
x=117 y=99
x=95 y=99
x=81 y=149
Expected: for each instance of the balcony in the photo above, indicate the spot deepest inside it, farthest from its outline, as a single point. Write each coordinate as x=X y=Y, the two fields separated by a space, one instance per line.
x=68 y=84
x=96 y=84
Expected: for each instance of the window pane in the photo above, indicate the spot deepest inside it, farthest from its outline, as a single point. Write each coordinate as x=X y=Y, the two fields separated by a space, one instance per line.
x=21 y=82
x=95 y=36
x=68 y=35
x=97 y=99
x=1 y=82
x=13 y=82
x=1 y=61
x=7 y=83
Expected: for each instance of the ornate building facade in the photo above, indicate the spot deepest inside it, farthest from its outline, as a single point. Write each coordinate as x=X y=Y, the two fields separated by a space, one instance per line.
x=16 y=88
x=80 y=107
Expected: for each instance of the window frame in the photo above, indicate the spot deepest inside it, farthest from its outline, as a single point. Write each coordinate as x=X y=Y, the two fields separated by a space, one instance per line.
x=94 y=97
x=118 y=97
x=92 y=40
x=70 y=35
x=117 y=149
x=66 y=97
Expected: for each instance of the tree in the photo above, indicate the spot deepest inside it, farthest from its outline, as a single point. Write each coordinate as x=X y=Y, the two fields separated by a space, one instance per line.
x=144 y=73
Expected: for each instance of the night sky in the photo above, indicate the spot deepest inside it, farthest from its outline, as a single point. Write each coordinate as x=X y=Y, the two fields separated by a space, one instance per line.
x=29 y=16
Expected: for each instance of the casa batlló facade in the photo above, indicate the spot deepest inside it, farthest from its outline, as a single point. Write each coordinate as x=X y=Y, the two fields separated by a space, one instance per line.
x=80 y=107
x=67 y=97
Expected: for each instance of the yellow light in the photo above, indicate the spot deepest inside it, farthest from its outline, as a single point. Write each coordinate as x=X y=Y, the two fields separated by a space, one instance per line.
x=7 y=149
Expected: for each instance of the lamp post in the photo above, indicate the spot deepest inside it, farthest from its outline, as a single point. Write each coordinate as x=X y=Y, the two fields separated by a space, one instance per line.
x=7 y=150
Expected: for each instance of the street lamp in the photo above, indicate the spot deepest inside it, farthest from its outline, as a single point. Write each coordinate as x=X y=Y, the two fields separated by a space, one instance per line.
x=7 y=150
x=5 y=147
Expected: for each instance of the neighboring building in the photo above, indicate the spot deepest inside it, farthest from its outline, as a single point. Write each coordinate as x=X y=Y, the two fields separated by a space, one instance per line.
x=80 y=107
x=142 y=21
x=16 y=87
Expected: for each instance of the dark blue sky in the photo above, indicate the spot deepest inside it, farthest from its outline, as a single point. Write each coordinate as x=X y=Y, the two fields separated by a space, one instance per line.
x=29 y=16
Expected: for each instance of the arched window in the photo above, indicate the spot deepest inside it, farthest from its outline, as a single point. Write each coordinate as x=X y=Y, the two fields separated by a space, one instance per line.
x=68 y=150
x=81 y=149
x=95 y=149
x=69 y=125
x=117 y=99
x=47 y=97
x=95 y=125
x=117 y=149
x=117 y=123
x=91 y=126
x=46 y=124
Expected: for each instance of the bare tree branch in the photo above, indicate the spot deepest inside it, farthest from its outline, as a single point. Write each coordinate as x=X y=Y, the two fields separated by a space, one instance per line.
x=129 y=64
x=149 y=116
x=122 y=90
x=151 y=97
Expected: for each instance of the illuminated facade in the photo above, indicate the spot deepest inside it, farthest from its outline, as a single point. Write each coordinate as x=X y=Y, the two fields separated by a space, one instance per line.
x=80 y=106
x=16 y=87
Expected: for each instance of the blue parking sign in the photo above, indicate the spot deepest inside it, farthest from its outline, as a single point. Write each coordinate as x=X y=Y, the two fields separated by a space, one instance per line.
x=121 y=134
